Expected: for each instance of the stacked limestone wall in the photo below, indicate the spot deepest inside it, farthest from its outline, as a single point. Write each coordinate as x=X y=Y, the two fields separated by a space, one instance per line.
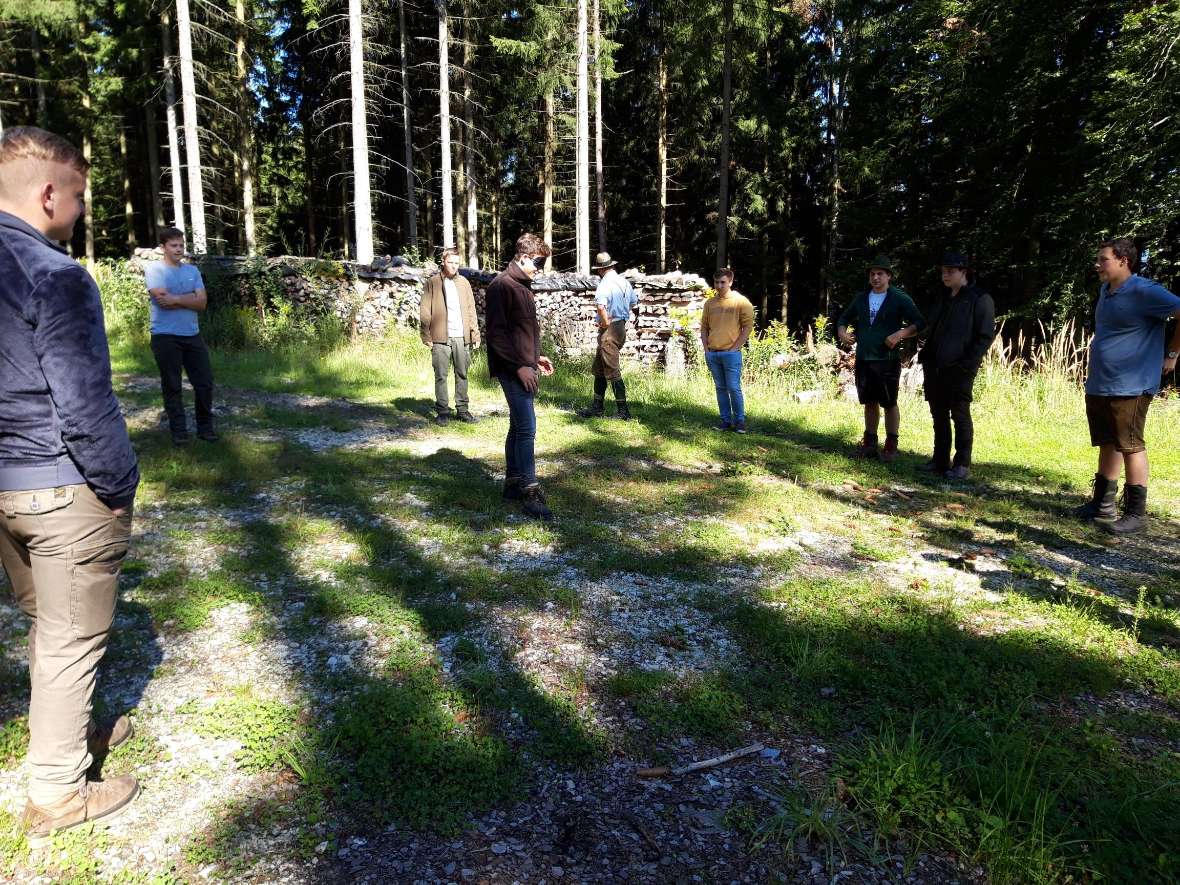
x=370 y=299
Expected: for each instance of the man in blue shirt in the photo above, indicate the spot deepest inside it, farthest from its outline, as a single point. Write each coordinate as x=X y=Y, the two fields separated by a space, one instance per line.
x=177 y=295
x=614 y=301
x=1127 y=357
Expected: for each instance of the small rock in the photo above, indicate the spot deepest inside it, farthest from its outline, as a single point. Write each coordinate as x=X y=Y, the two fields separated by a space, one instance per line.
x=499 y=848
x=827 y=692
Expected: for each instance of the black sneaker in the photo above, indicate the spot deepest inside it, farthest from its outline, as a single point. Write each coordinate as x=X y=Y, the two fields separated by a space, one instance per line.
x=723 y=426
x=534 y=504
x=208 y=435
x=739 y=427
x=442 y=420
x=180 y=438
x=467 y=418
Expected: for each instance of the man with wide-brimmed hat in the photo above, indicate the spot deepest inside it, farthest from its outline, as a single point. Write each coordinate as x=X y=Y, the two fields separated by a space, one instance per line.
x=614 y=300
x=881 y=317
x=959 y=331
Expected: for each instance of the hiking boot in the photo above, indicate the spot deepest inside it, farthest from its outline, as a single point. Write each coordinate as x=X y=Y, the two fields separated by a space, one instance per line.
x=442 y=420
x=512 y=489
x=889 y=452
x=105 y=738
x=93 y=800
x=739 y=427
x=866 y=448
x=1134 y=518
x=594 y=410
x=723 y=426
x=534 y=504
x=958 y=473
x=933 y=466
x=180 y=438
x=208 y=434
x=466 y=417
x=622 y=412
x=1101 y=506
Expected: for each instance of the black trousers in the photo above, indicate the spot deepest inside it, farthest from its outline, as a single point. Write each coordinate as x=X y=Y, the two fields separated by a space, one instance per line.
x=949 y=395
x=172 y=353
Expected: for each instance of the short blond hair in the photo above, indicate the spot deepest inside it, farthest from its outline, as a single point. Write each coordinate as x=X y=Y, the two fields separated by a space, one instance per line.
x=31 y=143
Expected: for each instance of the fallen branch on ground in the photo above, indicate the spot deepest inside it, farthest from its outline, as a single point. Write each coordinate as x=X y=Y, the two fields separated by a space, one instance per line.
x=664 y=770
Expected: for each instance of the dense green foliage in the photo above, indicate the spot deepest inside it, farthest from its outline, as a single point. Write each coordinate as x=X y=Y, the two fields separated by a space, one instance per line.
x=1019 y=131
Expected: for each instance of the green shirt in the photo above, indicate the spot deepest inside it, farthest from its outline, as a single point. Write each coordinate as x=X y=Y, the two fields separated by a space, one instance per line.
x=897 y=311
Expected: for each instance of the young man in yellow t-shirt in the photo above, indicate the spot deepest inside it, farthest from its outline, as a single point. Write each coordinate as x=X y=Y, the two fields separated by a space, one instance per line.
x=726 y=323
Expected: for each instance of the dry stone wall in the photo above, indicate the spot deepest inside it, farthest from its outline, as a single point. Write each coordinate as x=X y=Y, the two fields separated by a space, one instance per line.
x=371 y=298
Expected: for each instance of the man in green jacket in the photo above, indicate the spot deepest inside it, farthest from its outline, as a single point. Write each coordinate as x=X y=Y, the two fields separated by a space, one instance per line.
x=880 y=318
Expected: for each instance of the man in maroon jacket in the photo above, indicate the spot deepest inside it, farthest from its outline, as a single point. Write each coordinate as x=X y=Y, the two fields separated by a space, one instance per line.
x=514 y=359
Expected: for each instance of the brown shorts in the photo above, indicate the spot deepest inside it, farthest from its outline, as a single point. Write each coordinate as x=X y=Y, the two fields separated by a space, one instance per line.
x=1118 y=421
x=606 y=358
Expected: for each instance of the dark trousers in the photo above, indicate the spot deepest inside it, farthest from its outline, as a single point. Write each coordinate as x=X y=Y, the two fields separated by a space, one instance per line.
x=947 y=410
x=172 y=353
x=519 y=459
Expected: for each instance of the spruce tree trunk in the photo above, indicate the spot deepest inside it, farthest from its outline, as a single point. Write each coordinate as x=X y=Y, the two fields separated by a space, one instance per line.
x=170 y=118
x=582 y=174
x=151 y=130
x=460 y=175
x=723 y=165
x=246 y=120
x=42 y=103
x=192 y=147
x=469 y=152
x=548 y=175
x=408 y=132
x=128 y=204
x=444 y=125
x=87 y=146
x=363 y=208
x=599 y=169
x=662 y=160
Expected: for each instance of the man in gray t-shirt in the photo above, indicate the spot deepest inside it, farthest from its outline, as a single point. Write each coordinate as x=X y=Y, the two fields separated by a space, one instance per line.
x=1127 y=358
x=177 y=295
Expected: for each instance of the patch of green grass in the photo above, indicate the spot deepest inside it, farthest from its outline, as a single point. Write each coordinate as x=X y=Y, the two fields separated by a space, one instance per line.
x=635 y=684
x=14 y=741
x=263 y=728
x=181 y=603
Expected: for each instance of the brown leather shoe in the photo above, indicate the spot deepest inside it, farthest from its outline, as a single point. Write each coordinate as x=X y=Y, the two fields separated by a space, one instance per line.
x=105 y=738
x=94 y=800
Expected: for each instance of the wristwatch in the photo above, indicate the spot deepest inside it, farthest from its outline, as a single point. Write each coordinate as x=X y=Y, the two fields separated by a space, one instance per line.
x=1172 y=354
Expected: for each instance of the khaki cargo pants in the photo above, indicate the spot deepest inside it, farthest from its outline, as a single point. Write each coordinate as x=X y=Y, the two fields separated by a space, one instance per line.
x=63 y=550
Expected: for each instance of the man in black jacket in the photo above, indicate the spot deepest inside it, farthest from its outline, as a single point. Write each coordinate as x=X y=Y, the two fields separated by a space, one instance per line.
x=67 y=477
x=959 y=331
x=514 y=359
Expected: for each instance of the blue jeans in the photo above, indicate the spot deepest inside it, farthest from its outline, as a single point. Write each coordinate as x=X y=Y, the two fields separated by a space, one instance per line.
x=522 y=430
x=726 y=368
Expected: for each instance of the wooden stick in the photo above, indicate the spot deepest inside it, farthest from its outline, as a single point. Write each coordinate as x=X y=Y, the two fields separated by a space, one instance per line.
x=664 y=771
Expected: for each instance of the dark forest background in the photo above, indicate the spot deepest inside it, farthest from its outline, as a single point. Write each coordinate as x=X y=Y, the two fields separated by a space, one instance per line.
x=1021 y=132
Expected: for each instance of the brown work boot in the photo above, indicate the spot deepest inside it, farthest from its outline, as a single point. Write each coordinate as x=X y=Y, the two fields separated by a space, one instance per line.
x=94 y=800
x=105 y=738
x=866 y=448
x=889 y=452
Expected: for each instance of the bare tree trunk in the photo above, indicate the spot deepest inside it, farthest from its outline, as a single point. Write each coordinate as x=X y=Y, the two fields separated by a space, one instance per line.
x=170 y=117
x=430 y=241
x=246 y=118
x=128 y=205
x=460 y=176
x=42 y=103
x=309 y=205
x=469 y=151
x=345 y=236
x=723 y=165
x=363 y=210
x=496 y=254
x=151 y=130
x=662 y=159
x=444 y=125
x=192 y=147
x=407 y=130
x=87 y=146
x=599 y=169
x=549 y=175
x=582 y=173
